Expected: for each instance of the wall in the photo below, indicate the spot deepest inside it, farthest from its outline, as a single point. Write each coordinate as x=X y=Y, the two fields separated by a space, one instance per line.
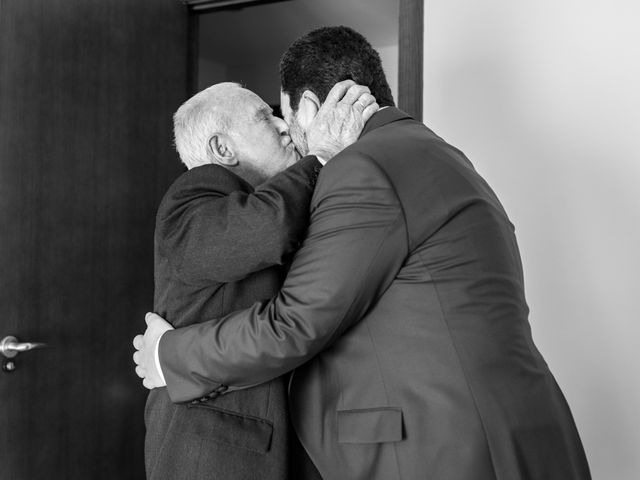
x=262 y=76
x=261 y=34
x=543 y=97
x=389 y=57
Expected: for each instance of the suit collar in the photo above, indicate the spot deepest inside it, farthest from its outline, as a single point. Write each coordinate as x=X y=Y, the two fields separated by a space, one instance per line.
x=384 y=117
x=222 y=178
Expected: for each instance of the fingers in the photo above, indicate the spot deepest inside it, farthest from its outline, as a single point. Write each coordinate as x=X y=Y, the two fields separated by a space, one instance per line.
x=368 y=112
x=354 y=93
x=364 y=101
x=338 y=91
x=138 y=341
x=139 y=344
x=149 y=316
x=155 y=322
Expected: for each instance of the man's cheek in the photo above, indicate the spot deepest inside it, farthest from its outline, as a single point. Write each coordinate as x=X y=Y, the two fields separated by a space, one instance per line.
x=299 y=138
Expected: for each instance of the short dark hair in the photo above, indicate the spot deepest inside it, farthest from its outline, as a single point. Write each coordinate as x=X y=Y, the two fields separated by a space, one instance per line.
x=328 y=55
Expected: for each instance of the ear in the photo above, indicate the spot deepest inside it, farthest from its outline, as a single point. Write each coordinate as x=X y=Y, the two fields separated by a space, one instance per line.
x=308 y=108
x=220 y=150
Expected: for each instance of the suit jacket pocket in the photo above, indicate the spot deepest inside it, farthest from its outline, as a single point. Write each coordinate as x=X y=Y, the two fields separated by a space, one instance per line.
x=231 y=428
x=370 y=425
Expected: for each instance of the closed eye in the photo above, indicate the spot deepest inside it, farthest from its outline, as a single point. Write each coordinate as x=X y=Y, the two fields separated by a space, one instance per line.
x=264 y=114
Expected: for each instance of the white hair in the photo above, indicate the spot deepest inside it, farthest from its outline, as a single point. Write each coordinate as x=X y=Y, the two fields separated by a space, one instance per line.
x=197 y=119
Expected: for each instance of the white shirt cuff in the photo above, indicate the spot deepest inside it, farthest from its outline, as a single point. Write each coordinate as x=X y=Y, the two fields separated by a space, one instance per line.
x=157 y=359
x=321 y=160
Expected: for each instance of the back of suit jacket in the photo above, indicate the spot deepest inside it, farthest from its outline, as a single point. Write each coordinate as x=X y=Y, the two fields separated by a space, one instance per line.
x=219 y=247
x=406 y=301
x=440 y=378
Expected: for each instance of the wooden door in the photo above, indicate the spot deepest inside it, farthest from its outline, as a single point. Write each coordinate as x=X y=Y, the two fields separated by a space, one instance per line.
x=87 y=90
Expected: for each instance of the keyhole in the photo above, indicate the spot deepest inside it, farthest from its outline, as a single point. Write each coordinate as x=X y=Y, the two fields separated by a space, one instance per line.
x=8 y=366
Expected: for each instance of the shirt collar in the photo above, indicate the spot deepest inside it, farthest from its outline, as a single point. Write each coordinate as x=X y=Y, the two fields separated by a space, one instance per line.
x=383 y=117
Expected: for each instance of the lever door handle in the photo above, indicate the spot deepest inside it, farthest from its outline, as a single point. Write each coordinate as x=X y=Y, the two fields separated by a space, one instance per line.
x=10 y=347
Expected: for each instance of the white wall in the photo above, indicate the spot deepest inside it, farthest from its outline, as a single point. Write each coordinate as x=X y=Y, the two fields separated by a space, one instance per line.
x=544 y=98
x=389 y=57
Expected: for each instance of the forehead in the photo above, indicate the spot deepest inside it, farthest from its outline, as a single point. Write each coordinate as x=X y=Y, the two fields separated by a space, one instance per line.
x=252 y=105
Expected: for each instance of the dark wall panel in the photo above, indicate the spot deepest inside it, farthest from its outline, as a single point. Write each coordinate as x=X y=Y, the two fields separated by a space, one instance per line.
x=410 y=57
x=87 y=90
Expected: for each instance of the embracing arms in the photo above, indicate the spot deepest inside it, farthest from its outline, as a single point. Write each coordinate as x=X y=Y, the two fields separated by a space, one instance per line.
x=356 y=243
x=213 y=228
x=343 y=115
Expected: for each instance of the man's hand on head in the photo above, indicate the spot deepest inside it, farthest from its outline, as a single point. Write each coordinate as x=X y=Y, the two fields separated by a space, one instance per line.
x=340 y=119
x=146 y=350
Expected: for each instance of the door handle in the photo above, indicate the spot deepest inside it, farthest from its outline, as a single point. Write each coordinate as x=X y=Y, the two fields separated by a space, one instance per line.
x=10 y=347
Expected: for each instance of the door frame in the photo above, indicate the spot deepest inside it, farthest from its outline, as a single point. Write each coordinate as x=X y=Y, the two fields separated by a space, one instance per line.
x=410 y=55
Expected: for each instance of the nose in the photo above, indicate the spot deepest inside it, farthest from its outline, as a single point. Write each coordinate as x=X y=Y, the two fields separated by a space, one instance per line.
x=281 y=125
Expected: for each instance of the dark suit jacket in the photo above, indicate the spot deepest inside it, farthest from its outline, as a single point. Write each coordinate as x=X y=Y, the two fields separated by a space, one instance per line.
x=218 y=245
x=404 y=314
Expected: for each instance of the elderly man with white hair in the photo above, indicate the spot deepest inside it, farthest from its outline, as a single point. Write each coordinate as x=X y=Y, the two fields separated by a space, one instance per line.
x=224 y=232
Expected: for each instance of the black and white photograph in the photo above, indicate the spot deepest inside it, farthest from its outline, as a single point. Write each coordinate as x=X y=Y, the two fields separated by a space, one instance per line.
x=319 y=240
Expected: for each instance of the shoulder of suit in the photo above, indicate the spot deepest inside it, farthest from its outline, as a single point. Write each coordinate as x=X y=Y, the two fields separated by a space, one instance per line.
x=200 y=182
x=210 y=178
x=203 y=180
x=351 y=164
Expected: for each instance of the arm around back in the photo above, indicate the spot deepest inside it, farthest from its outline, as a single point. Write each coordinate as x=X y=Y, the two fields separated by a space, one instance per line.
x=218 y=230
x=356 y=244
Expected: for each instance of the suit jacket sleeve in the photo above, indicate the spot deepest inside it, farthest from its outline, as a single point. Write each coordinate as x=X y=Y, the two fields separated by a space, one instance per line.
x=221 y=232
x=356 y=243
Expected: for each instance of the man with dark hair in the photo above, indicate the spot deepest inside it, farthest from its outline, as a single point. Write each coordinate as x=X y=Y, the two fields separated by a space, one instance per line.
x=303 y=65
x=403 y=313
